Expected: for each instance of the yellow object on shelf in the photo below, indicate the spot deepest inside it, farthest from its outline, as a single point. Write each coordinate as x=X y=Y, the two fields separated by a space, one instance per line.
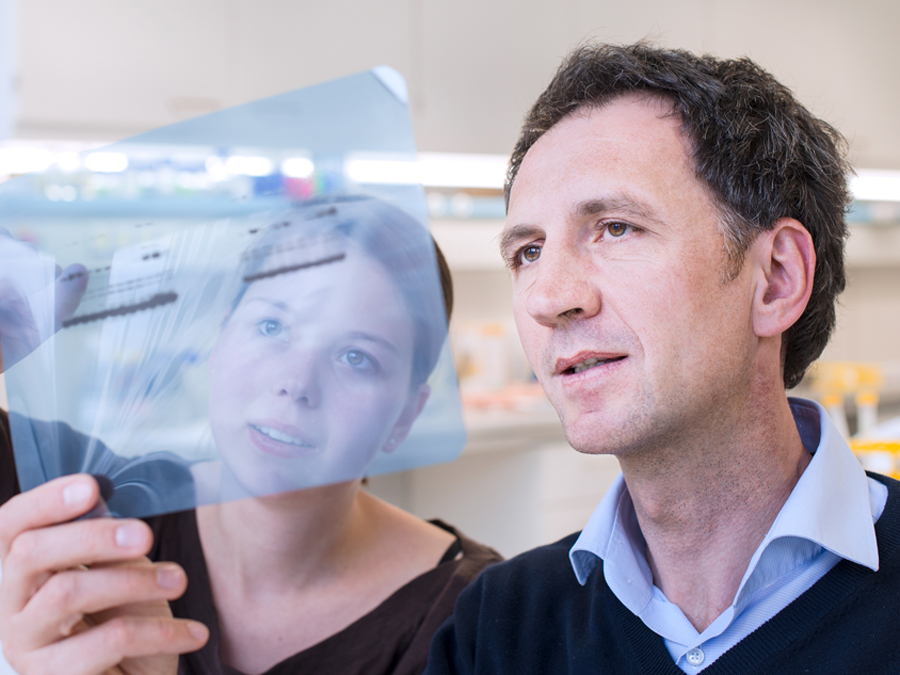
x=846 y=377
x=833 y=380
x=831 y=400
x=867 y=398
x=877 y=455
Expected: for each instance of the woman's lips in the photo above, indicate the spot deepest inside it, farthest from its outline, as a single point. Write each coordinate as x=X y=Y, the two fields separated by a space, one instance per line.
x=281 y=440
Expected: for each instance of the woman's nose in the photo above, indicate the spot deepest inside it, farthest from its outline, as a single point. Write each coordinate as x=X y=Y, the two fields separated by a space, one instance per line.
x=299 y=379
x=561 y=288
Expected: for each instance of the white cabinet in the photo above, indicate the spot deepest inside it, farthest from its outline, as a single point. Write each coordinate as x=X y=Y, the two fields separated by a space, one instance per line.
x=7 y=67
x=517 y=485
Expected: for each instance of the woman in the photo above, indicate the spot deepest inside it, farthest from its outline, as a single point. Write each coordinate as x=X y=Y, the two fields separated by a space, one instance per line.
x=316 y=368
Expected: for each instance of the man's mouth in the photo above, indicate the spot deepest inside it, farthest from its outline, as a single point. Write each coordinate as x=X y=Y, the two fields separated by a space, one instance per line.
x=588 y=363
x=280 y=436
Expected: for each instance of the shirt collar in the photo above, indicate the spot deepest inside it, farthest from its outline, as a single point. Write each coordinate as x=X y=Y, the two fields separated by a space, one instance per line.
x=830 y=503
x=829 y=506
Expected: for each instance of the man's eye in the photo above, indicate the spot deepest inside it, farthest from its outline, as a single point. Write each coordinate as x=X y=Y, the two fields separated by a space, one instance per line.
x=358 y=360
x=616 y=229
x=271 y=327
x=529 y=254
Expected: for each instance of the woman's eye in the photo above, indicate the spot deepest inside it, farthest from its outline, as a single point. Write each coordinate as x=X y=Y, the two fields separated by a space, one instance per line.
x=529 y=254
x=271 y=327
x=357 y=359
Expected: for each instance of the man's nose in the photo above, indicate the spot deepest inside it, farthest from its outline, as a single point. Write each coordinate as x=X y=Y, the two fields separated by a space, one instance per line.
x=563 y=288
x=299 y=379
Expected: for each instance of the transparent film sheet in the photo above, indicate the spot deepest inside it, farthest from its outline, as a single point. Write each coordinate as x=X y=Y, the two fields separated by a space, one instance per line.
x=238 y=305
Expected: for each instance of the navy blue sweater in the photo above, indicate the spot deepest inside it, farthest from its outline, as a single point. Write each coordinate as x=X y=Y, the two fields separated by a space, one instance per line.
x=530 y=615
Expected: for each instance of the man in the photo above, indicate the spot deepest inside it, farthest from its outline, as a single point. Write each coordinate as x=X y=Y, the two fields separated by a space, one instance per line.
x=675 y=235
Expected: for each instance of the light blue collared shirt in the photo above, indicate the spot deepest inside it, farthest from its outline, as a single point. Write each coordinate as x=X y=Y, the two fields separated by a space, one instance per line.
x=828 y=516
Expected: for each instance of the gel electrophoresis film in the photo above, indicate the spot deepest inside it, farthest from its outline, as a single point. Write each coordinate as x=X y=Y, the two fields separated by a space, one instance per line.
x=237 y=305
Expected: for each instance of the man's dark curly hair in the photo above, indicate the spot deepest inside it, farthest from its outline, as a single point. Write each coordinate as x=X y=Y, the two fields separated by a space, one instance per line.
x=762 y=155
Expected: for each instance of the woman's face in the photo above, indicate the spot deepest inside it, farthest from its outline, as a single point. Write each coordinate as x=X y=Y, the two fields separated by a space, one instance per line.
x=310 y=376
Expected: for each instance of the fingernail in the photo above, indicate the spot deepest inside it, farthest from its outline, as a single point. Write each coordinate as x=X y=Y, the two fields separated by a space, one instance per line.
x=130 y=535
x=77 y=494
x=197 y=630
x=168 y=576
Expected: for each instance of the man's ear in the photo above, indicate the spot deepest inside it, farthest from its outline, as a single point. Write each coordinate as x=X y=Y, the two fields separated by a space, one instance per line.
x=785 y=261
x=408 y=416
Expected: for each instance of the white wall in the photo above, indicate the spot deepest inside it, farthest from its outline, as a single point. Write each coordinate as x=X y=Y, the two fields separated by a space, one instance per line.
x=8 y=52
x=110 y=68
x=511 y=499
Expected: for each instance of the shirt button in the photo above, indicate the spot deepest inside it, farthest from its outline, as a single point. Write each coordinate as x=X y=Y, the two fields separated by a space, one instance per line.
x=695 y=656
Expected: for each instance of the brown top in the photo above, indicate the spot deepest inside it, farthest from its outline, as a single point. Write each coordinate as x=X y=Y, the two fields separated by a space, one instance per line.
x=391 y=639
x=9 y=481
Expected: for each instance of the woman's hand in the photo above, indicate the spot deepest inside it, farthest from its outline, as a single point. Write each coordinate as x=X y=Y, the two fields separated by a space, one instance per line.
x=80 y=597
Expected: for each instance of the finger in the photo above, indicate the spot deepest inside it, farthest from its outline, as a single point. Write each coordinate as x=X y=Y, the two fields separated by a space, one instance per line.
x=36 y=553
x=14 y=244
x=64 y=600
x=105 y=646
x=18 y=332
x=70 y=287
x=56 y=501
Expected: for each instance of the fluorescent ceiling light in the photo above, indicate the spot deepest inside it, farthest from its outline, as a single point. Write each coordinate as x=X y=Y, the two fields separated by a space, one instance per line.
x=383 y=171
x=462 y=171
x=242 y=165
x=297 y=167
x=875 y=185
x=106 y=162
x=215 y=167
x=19 y=160
x=66 y=193
x=68 y=161
x=432 y=169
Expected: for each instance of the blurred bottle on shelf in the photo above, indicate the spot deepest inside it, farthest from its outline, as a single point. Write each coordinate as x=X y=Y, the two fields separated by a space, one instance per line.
x=482 y=354
x=492 y=370
x=833 y=383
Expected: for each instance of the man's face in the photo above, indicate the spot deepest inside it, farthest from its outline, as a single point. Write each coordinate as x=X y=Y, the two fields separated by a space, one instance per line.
x=618 y=266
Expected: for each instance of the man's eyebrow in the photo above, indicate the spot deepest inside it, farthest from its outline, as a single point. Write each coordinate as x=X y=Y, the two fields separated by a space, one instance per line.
x=621 y=203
